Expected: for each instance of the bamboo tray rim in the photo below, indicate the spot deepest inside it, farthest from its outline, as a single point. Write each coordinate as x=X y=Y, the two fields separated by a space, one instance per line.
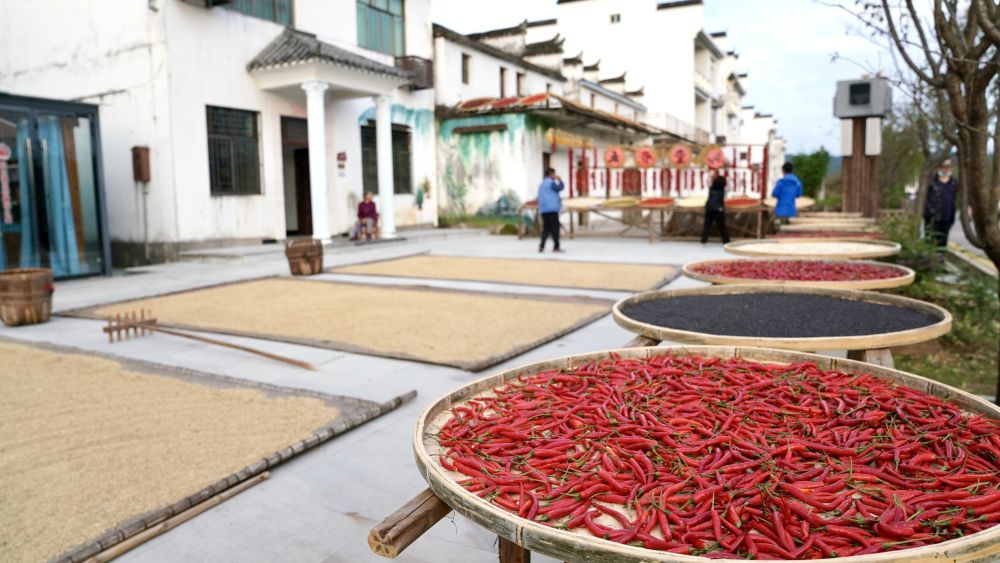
x=856 y=342
x=573 y=546
x=833 y=214
x=880 y=248
x=907 y=277
x=849 y=220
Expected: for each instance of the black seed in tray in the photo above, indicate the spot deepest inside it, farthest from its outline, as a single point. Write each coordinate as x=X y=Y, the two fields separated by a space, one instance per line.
x=776 y=315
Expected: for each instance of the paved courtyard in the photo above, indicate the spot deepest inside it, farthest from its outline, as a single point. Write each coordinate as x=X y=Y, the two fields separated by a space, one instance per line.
x=321 y=505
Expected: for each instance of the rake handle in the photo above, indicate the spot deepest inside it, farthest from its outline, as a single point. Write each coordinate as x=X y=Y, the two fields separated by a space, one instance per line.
x=285 y=359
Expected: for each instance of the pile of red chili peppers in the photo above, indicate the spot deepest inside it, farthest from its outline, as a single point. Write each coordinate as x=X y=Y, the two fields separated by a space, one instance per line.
x=798 y=270
x=742 y=202
x=729 y=457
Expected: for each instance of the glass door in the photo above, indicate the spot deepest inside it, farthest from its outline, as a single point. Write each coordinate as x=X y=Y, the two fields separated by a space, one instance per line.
x=18 y=246
x=50 y=191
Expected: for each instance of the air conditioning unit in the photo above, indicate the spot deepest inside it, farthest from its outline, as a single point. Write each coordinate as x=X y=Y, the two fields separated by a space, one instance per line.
x=421 y=71
x=207 y=3
x=870 y=97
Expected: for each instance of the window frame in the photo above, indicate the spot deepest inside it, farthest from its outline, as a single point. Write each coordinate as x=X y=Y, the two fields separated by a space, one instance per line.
x=503 y=82
x=519 y=84
x=214 y=189
x=466 y=59
x=242 y=7
x=369 y=16
x=399 y=133
x=616 y=18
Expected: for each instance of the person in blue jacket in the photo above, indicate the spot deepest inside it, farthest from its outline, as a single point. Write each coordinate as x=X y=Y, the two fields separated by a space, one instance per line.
x=549 y=205
x=785 y=191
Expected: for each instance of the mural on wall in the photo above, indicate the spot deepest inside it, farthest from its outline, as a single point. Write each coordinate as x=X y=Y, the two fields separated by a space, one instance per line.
x=483 y=170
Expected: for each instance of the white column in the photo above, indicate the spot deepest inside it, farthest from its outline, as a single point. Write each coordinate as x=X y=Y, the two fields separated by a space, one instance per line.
x=383 y=152
x=318 y=188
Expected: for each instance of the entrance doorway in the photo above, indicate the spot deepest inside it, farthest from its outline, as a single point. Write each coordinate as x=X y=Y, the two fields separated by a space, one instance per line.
x=295 y=163
x=51 y=190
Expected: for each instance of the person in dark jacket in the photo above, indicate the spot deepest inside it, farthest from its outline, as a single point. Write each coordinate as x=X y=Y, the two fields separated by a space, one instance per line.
x=939 y=207
x=549 y=205
x=715 y=208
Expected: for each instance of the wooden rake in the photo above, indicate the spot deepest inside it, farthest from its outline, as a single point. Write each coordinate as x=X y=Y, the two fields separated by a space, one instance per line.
x=133 y=324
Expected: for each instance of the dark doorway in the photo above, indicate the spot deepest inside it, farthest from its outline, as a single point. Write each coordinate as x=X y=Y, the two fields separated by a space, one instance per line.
x=546 y=162
x=295 y=161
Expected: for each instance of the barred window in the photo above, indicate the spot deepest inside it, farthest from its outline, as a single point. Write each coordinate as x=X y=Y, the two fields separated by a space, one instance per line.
x=233 y=152
x=401 y=159
x=278 y=11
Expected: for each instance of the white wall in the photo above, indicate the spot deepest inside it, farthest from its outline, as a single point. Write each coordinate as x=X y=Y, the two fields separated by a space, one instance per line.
x=117 y=63
x=654 y=46
x=484 y=75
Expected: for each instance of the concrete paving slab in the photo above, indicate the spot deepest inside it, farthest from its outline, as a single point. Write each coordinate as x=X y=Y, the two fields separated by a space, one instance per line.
x=321 y=505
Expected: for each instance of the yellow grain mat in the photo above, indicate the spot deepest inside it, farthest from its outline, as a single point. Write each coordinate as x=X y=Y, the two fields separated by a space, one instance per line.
x=462 y=329
x=86 y=444
x=555 y=273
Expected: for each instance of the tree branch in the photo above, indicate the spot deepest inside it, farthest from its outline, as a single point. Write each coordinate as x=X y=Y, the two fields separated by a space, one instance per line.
x=934 y=80
x=987 y=20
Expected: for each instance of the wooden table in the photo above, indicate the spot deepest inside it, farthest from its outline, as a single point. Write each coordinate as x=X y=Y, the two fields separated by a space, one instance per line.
x=670 y=216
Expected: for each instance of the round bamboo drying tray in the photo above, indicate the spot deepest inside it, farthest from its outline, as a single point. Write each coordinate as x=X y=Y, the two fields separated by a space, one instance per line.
x=581 y=203
x=573 y=546
x=839 y=227
x=800 y=202
x=813 y=248
x=833 y=214
x=858 y=342
x=690 y=202
x=884 y=283
x=832 y=220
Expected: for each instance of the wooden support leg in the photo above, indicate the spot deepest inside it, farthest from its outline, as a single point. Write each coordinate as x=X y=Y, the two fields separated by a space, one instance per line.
x=640 y=341
x=510 y=552
x=879 y=356
x=404 y=526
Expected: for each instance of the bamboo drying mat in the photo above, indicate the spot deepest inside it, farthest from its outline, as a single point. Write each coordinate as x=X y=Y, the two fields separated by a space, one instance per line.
x=553 y=273
x=457 y=328
x=96 y=450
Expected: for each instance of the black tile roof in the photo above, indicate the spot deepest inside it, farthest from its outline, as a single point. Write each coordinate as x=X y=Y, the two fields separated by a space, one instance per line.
x=296 y=47
x=677 y=4
x=577 y=60
x=539 y=23
x=614 y=80
x=595 y=66
x=518 y=29
x=552 y=46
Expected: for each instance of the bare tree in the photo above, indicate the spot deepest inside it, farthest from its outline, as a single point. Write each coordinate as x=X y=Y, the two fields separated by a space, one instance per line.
x=953 y=53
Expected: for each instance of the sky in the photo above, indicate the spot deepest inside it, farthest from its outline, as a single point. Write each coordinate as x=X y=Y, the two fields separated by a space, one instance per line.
x=786 y=47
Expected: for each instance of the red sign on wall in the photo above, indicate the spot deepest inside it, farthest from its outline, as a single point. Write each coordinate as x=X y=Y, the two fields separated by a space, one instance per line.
x=645 y=157
x=680 y=156
x=714 y=158
x=614 y=157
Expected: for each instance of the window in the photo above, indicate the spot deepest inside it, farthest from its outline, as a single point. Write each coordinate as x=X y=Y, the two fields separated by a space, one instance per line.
x=615 y=18
x=616 y=107
x=278 y=11
x=401 y=158
x=233 y=153
x=503 y=82
x=593 y=101
x=520 y=84
x=465 y=68
x=548 y=88
x=380 y=26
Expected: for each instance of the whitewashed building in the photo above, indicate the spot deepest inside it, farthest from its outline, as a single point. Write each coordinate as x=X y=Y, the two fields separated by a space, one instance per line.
x=507 y=109
x=263 y=118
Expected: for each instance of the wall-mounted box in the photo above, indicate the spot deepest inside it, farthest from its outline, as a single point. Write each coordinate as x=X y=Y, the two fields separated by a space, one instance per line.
x=140 y=164
x=870 y=97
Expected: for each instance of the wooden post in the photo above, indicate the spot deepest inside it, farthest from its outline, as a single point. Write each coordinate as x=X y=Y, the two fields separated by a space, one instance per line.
x=510 y=552
x=860 y=174
x=878 y=356
x=403 y=527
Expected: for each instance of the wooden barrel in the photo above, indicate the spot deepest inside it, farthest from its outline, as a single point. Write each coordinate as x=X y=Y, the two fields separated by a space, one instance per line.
x=305 y=257
x=25 y=296
x=857 y=342
x=568 y=545
x=906 y=276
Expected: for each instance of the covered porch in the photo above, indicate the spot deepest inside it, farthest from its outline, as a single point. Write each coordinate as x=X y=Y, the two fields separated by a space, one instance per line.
x=298 y=64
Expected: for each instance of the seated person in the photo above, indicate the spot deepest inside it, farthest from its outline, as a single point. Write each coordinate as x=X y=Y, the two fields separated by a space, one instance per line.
x=367 y=217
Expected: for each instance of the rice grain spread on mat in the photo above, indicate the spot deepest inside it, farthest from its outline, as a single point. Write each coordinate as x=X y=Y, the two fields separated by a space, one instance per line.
x=799 y=270
x=728 y=457
x=86 y=443
x=776 y=315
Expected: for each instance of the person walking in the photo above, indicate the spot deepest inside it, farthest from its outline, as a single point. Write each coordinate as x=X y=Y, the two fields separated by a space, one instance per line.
x=939 y=207
x=786 y=190
x=715 y=208
x=549 y=205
